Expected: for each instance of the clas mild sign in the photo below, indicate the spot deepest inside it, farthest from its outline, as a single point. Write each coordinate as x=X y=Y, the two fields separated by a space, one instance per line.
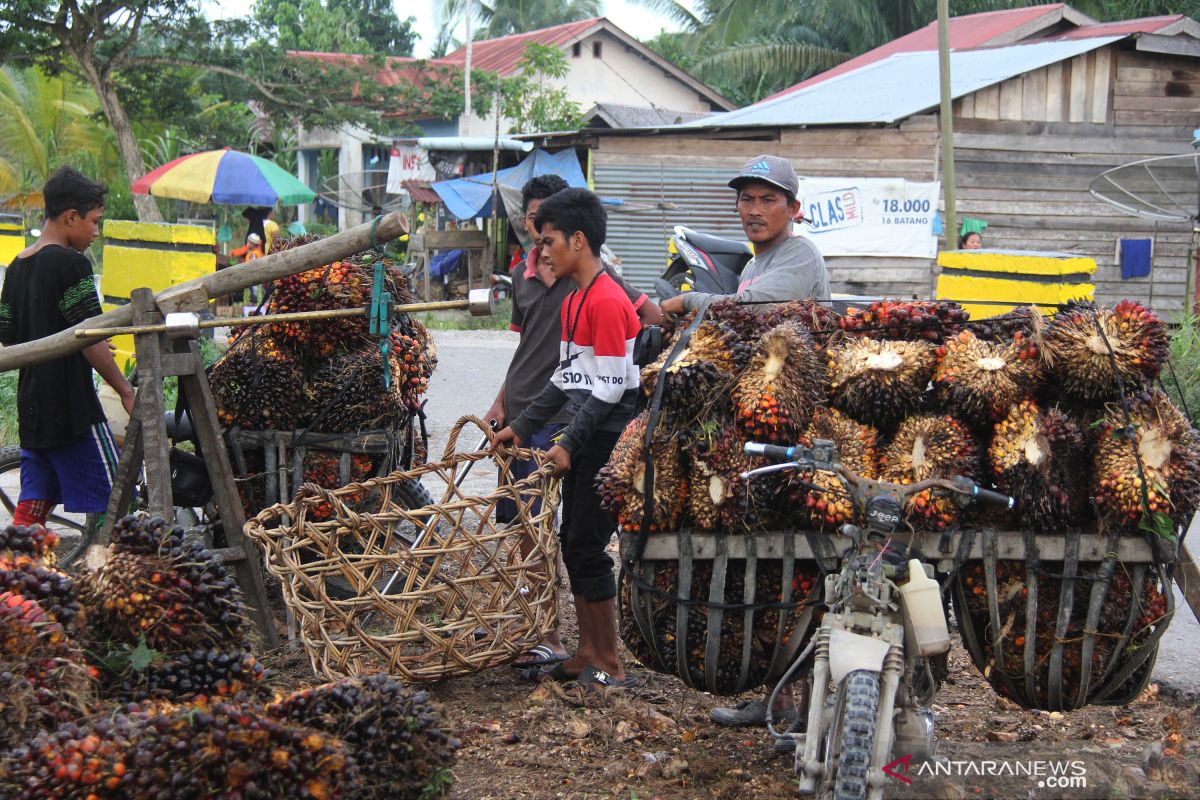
x=870 y=216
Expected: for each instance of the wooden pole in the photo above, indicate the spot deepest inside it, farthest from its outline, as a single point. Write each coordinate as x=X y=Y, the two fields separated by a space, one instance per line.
x=947 y=121
x=227 y=281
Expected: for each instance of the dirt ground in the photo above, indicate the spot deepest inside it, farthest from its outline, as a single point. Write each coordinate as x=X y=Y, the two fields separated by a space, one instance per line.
x=534 y=741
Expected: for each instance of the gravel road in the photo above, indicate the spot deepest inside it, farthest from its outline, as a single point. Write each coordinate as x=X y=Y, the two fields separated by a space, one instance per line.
x=471 y=365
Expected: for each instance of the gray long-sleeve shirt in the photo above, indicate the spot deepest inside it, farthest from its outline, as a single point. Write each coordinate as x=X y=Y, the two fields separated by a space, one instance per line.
x=792 y=270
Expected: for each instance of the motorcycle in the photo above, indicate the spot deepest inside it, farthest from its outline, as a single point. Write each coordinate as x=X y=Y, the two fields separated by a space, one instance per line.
x=702 y=263
x=882 y=634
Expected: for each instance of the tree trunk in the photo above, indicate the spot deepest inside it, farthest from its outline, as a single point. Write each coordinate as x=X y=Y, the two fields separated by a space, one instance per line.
x=127 y=143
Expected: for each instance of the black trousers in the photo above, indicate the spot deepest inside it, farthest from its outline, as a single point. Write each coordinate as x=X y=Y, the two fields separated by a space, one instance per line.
x=586 y=528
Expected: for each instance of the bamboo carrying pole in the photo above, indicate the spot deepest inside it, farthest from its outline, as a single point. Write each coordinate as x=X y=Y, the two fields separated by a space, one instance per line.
x=227 y=281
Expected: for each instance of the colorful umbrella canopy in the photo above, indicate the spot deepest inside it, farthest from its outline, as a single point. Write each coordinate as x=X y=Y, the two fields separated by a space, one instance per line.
x=225 y=176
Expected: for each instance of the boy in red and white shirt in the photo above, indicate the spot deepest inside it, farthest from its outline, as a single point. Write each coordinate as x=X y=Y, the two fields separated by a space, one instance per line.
x=597 y=382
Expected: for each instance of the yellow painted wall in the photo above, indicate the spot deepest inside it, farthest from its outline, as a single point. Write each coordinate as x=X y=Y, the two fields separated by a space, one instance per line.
x=155 y=263
x=12 y=241
x=1010 y=278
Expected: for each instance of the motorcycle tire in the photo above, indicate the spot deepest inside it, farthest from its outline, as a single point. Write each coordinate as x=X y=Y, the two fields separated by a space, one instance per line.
x=852 y=737
x=75 y=532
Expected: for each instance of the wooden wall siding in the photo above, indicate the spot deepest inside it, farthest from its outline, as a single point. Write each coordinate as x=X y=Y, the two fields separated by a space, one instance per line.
x=1078 y=90
x=1030 y=181
x=1156 y=90
x=907 y=152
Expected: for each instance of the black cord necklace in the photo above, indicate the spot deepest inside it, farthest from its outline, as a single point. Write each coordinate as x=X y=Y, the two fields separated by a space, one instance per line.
x=572 y=325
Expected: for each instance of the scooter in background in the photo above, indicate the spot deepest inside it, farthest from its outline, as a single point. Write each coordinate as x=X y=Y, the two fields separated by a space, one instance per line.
x=703 y=263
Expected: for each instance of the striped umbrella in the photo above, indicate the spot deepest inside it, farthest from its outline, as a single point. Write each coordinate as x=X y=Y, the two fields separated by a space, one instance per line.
x=225 y=176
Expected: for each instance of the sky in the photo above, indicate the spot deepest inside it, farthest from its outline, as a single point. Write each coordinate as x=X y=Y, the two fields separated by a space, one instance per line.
x=635 y=20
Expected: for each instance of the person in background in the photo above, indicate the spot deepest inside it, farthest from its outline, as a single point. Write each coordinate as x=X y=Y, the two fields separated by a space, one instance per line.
x=68 y=454
x=597 y=383
x=538 y=298
x=785 y=267
x=255 y=215
x=250 y=251
x=970 y=241
x=270 y=231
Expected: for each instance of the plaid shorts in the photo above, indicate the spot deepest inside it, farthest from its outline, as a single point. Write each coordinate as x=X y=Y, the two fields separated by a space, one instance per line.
x=79 y=475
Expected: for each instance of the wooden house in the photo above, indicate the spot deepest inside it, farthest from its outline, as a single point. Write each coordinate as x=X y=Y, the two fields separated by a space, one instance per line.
x=1046 y=100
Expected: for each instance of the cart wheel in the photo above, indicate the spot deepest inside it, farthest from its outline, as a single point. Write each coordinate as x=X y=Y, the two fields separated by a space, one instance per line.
x=75 y=531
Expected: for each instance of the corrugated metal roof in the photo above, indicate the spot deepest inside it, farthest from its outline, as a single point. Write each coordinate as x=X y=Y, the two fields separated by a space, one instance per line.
x=501 y=55
x=966 y=32
x=1124 y=27
x=899 y=86
x=619 y=115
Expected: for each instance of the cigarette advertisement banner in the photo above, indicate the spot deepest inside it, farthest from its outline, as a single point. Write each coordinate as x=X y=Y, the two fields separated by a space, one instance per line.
x=407 y=163
x=870 y=216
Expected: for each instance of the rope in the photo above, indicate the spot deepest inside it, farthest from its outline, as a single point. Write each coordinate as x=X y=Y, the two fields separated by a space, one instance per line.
x=375 y=242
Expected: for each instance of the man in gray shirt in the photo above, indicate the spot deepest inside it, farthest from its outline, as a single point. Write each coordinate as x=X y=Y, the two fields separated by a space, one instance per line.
x=784 y=267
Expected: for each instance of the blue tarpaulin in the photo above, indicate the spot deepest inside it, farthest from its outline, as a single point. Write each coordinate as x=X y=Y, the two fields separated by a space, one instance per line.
x=468 y=198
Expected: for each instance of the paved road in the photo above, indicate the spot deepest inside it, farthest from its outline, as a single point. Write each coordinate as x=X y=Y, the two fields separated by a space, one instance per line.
x=471 y=366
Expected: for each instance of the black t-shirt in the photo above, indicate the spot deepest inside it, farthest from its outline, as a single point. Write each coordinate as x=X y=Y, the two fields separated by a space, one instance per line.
x=50 y=291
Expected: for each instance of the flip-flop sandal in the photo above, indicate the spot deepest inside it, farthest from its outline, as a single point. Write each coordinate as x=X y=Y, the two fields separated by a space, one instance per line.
x=594 y=680
x=558 y=674
x=543 y=656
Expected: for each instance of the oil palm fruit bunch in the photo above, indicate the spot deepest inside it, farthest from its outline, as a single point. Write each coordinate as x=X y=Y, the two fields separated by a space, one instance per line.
x=75 y=761
x=160 y=585
x=337 y=285
x=717 y=497
x=914 y=320
x=1149 y=471
x=324 y=468
x=621 y=482
x=1039 y=458
x=743 y=319
x=53 y=590
x=44 y=680
x=857 y=448
x=186 y=677
x=385 y=725
x=983 y=380
x=879 y=382
x=1077 y=346
x=412 y=365
x=930 y=446
x=257 y=384
x=820 y=320
x=22 y=545
x=345 y=394
x=1025 y=320
x=775 y=396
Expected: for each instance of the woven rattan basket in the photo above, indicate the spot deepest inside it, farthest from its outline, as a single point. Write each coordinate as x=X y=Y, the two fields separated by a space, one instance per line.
x=433 y=592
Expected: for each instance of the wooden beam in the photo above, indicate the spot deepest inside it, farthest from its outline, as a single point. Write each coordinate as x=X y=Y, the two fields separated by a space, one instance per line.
x=1187 y=575
x=1170 y=45
x=226 y=281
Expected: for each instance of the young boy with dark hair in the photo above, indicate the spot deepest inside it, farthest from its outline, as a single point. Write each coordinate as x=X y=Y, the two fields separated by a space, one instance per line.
x=67 y=451
x=596 y=381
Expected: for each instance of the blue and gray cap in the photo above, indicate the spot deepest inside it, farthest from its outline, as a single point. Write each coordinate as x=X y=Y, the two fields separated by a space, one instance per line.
x=769 y=169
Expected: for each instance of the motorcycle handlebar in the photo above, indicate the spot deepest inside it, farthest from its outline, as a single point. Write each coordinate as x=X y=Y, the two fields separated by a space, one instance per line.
x=993 y=498
x=774 y=452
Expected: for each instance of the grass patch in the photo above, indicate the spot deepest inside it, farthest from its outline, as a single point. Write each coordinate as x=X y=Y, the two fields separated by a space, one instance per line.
x=8 y=410
x=1185 y=360
x=463 y=321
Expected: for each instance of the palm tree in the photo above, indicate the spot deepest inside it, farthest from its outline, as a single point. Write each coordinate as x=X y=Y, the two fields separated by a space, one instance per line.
x=503 y=17
x=46 y=122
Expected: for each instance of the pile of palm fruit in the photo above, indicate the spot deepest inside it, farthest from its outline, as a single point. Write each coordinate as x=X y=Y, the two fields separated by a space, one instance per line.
x=328 y=375
x=1065 y=414
x=137 y=681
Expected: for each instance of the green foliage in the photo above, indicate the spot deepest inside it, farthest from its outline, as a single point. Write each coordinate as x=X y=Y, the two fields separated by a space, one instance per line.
x=9 y=433
x=504 y=17
x=336 y=26
x=1185 y=364
x=462 y=321
x=532 y=99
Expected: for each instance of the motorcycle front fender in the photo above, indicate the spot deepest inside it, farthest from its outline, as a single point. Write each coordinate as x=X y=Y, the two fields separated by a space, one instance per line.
x=852 y=651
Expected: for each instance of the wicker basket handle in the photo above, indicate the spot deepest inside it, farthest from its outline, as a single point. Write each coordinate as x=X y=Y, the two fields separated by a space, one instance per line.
x=452 y=442
x=341 y=511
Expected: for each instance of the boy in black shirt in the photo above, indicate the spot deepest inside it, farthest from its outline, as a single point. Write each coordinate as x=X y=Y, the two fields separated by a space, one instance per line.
x=67 y=451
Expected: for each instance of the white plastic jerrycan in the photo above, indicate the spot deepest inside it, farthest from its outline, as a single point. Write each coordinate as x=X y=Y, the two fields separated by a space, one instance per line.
x=923 y=607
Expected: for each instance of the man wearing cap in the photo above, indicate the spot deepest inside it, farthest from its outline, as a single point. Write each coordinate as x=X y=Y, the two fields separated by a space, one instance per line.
x=784 y=267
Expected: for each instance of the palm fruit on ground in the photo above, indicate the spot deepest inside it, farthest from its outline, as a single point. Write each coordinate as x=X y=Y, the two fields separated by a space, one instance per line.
x=386 y=726
x=717 y=496
x=258 y=385
x=879 y=382
x=1168 y=449
x=193 y=751
x=184 y=677
x=913 y=320
x=158 y=584
x=930 y=446
x=774 y=398
x=53 y=590
x=857 y=448
x=44 y=680
x=621 y=482
x=981 y=380
x=662 y=653
x=1039 y=458
x=22 y=545
x=1078 y=353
